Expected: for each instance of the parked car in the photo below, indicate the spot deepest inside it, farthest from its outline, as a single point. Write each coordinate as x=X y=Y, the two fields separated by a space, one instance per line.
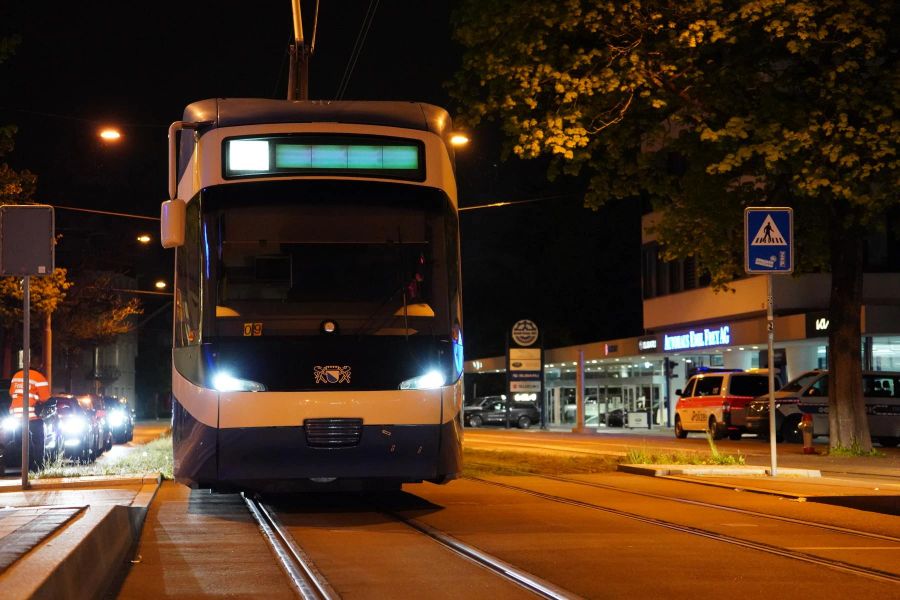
x=615 y=418
x=808 y=394
x=70 y=428
x=95 y=407
x=60 y=427
x=120 y=419
x=716 y=402
x=11 y=432
x=491 y=410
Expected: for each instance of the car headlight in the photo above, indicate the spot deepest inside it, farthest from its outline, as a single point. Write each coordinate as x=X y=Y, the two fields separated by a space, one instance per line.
x=73 y=425
x=430 y=380
x=11 y=424
x=117 y=418
x=225 y=382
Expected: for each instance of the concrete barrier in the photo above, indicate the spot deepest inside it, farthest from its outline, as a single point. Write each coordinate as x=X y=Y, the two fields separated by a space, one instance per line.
x=85 y=558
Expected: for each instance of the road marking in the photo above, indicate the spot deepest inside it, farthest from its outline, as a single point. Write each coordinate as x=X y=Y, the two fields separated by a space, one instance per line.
x=844 y=548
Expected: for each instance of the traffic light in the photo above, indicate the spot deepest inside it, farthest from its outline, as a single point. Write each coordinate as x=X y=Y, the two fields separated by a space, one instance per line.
x=669 y=367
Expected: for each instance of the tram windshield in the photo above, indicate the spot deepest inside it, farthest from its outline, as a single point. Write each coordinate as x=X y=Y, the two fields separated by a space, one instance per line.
x=288 y=258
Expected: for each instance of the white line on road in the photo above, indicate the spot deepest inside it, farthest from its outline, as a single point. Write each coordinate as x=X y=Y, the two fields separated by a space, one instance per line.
x=844 y=548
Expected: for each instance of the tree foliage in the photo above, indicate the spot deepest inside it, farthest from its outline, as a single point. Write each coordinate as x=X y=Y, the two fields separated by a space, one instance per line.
x=16 y=187
x=47 y=293
x=19 y=187
x=704 y=107
x=94 y=313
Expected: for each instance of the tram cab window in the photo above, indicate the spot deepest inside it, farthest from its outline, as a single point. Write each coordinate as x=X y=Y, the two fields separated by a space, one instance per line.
x=378 y=268
x=187 y=280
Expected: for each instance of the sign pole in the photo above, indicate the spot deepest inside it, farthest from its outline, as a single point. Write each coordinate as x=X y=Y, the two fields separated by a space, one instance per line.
x=26 y=384
x=768 y=250
x=770 y=327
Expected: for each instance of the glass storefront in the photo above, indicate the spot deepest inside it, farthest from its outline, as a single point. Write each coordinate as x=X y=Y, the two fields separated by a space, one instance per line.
x=613 y=388
x=635 y=386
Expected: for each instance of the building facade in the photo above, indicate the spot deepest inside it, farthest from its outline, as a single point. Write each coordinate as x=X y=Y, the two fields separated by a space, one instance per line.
x=689 y=327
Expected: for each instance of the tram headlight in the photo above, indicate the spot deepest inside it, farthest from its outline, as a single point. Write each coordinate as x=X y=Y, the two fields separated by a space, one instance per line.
x=11 y=424
x=430 y=380
x=224 y=381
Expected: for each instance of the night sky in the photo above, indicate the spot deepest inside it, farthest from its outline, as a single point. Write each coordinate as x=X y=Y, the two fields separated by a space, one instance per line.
x=84 y=65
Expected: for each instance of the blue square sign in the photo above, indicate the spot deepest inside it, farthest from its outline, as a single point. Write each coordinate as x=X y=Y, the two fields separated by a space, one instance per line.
x=768 y=240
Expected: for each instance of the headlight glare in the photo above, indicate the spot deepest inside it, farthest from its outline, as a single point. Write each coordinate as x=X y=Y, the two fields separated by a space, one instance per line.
x=430 y=380
x=73 y=425
x=11 y=424
x=224 y=381
x=117 y=418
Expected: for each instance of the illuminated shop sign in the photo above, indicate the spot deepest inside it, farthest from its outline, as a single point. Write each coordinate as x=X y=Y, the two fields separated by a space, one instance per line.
x=716 y=336
x=647 y=344
x=817 y=324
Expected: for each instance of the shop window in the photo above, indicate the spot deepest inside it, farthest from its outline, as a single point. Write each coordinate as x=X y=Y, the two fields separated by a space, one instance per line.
x=675 y=281
x=690 y=273
x=648 y=269
x=662 y=277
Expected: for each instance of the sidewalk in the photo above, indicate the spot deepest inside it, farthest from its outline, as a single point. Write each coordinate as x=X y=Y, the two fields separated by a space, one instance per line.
x=69 y=538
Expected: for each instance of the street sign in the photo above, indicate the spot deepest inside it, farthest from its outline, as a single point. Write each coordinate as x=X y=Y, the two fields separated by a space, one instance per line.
x=525 y=366
x=769 y=250
x=768 y=240
x=27 y=235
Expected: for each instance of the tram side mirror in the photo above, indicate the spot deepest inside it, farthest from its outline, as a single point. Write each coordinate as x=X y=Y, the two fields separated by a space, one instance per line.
x=171 y=223
x=678 y=392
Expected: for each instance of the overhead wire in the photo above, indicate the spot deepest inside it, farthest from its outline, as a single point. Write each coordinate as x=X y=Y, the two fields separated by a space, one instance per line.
x=513 y=202
x=312 y=45
x=357 y=48
x=284 y=58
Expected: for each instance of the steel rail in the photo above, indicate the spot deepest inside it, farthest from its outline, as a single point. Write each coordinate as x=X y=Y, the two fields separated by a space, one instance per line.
x=532 y=583
x=302 y=573
x=733 y=509
x=837 y=565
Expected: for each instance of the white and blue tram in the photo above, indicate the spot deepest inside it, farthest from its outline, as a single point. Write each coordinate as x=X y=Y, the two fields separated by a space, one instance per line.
x=317 y=322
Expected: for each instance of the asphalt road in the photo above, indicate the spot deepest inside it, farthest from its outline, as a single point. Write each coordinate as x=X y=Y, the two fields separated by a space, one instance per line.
x=608 y=535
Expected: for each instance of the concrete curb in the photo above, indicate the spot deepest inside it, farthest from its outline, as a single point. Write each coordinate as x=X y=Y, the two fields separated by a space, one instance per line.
x=101 y=481
x=86 y=557
x=713 y=470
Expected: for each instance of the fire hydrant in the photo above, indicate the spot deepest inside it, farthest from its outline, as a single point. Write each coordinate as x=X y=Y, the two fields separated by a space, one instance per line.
x=806 y=428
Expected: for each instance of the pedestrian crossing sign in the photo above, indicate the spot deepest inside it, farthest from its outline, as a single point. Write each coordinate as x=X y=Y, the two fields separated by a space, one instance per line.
x=768 y=240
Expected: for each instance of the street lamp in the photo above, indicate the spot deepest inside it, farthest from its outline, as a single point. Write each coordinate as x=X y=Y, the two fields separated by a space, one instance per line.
x=160 y=285
x=144 y=238
x=459 y=139
x=110 y=134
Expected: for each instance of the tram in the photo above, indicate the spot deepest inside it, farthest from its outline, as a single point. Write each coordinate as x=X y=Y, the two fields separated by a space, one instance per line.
x=317 y=305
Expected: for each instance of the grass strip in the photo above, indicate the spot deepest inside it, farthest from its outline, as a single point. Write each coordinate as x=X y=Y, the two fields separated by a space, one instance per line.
x=152 y=457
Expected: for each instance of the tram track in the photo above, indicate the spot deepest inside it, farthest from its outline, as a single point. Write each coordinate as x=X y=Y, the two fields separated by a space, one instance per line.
x=834 y=564
x=304 y=577
x=731 y=509
x=311 y=584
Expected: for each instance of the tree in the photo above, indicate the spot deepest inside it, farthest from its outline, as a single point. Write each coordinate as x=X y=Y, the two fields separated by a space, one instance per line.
x=93 y=315
x=46 y=295
x=704 y=107
x=18 y=187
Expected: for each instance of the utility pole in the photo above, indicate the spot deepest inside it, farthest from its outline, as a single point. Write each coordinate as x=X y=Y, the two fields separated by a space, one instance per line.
x=300 y=52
